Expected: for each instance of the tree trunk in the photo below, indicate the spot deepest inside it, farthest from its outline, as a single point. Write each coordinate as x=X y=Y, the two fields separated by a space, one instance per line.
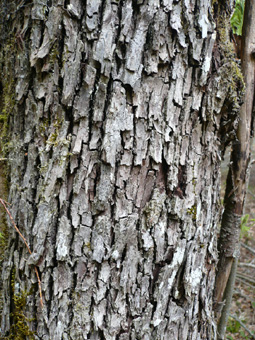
x=237 y=180
x=118 y=114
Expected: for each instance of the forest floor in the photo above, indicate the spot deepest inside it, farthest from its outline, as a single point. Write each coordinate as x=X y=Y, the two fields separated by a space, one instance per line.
x=241 y=323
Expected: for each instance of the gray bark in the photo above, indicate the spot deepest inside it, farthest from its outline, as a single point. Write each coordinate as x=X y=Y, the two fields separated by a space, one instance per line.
x=115 y=142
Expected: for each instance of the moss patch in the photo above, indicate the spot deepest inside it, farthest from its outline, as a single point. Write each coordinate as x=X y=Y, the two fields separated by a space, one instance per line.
x=19 y=321
x=193 y=212
x=20 y=328
x=7 y=91
x=230 y=76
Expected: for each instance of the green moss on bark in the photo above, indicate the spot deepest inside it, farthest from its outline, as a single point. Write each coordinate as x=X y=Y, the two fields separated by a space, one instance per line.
x=19 y=321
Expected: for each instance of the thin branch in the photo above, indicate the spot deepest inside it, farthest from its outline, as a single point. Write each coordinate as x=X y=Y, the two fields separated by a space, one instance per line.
x=3 y=202
x=246 y=277
x=236 y=292
x=250 y=193
x=243 y=264
x=244 y=282
x=14 y=225
x=248 y=248
x=243 y=325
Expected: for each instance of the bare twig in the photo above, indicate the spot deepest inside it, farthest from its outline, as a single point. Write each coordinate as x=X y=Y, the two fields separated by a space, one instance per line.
x=243 y=264
x=246 y=277
x=248 y=248
x=243 y=325
x=244 y=282
x=14 y=225
x=250 y=193
x=236 y=292
x=4 y=203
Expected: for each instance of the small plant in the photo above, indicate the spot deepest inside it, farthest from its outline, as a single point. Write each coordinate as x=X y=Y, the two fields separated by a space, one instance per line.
x=233 y=326
x=245 y=220
x=229 y=337
x=237 y=17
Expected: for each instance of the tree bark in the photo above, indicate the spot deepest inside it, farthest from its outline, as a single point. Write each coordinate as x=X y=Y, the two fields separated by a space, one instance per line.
x=120 y=116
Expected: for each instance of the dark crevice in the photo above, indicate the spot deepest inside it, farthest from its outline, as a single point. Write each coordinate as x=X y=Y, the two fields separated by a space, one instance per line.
x=11 y=291
x=123 y=254
x=118 y=62
x=200 y=314
x=182 y=229
x=25 y=158
x=179 y=286
x=155 y=276
x=34 y=191
x=122 y=133
x=69 y=197
x=162 y=176
x=154 y=304
x=120 y=7
x=60 y=84
x=135 y=6
x=201 y=119
x=139 y=241
x=69 y=118
x=180 y=191
x=154 y=285
x=71 y=312
x=43 y=28
x=101 y=14
x=97 y=176
x=101 y=334
x=129 y=93
x=114 y=195
x=61 y=46
x=97 y=65
x=112 y=233
x=66 y=2
x=107 y=103
x=50 y=292
x=149 y=38
x=169 y=254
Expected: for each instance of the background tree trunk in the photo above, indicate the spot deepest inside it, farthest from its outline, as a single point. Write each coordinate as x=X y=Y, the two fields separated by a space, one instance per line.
x=237 y=180
x=118 y=118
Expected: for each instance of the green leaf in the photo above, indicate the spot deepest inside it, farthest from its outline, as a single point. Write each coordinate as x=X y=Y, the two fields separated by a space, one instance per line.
x=245 y=219
x=246 y=225
x=237 y=17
